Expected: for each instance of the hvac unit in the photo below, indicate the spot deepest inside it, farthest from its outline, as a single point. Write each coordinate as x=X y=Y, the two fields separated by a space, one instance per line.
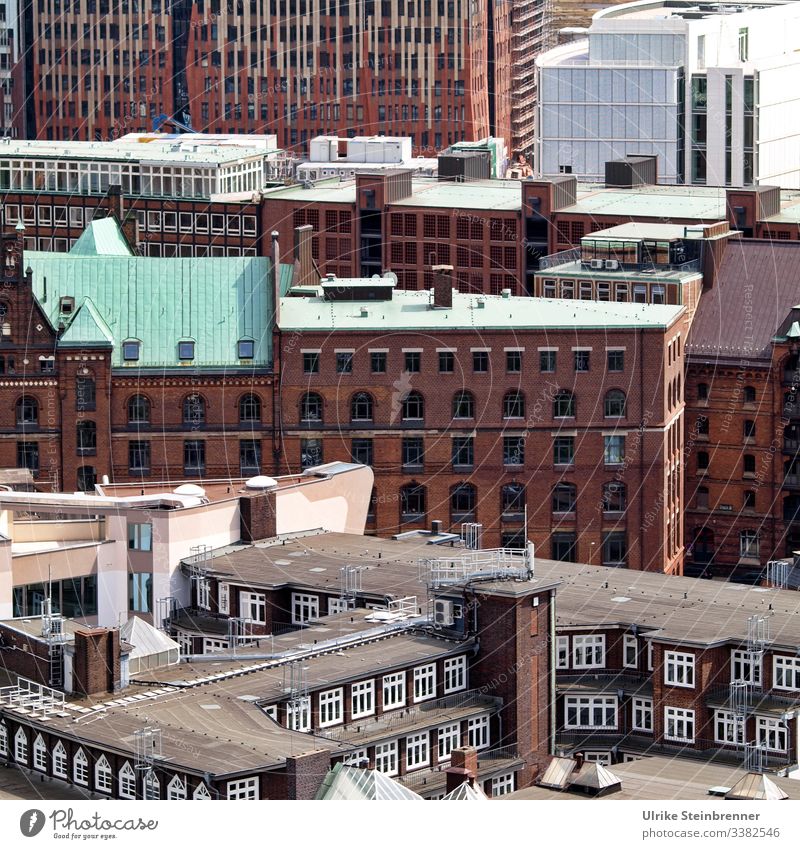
x=612 y=264
x=442 y=612
x=595 y=263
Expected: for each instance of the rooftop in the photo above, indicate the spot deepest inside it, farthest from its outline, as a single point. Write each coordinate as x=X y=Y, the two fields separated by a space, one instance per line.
x=705 y=203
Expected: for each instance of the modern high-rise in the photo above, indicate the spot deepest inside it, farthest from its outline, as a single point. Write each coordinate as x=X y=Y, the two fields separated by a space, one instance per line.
x=709 y=89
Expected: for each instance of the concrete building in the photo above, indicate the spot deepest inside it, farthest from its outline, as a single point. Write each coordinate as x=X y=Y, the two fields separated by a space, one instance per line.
x=703 y=88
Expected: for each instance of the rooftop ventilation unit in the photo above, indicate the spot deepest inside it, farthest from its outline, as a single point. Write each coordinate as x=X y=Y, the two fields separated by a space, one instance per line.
x=443 y=612
x=595 y=263
x=612 y=264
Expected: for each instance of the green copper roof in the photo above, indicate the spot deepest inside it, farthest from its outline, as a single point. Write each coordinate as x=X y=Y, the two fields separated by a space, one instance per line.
x=102 y=237
x=87 y=328
x=160 y=301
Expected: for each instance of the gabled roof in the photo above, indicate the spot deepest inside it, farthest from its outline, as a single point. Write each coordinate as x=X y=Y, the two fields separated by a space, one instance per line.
x=103 y=237
x=145 y=639
x=349 y=783
x=87 y=327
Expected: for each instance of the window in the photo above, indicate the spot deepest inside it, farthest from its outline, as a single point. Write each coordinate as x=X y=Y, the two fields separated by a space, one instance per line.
x=358 y=758
x=614 y=450
x=745 y=666
x=310 y=453
x=194 y=457
x=85 y=394
x=630 y=655
x=744 y=44
x=413 y=407
x=86 y=435
x=311 y=407
x=361 y=451
x=361 y=407
x=480 y=362
x=786 y=673
x=394 y=690
x=643 y=715
x=305 y=608
x=243 y=788
x=131 y=350
x=615 y=404
x=514 y=405
x=311 y=362
x=449 y=738
x=140 y=592
x=331 y=707
x=615 y=361
x=565 y=496
x=412 y=502
x=563 y=405
x=249 y=408
x=298 y=714
x=126 y=782
x=564 y=450
x=377 y=362
x=748 y=544
x=614 y=497
x=590 y=712
x=249 y=457
x=253 y=606
x=512 y=500
x=581 y=360
x=455 y=674
x=462 y=453
x=103 y=779
x=462 y=502
x=502 y=785
x=201 y=792
x=615 y=549
x=447 y=362
x=562 y=652
x=547 y=361
x=138 y=410
x=424 y=682
x=344 y=362
x=28 y=456
x=478 y=732
x=749 y=429
x=678 y=669
x=59 y=760
x=418 y=750
x=702 y=461
x=728 y=728
x=463 y=405
x=679 y=724
x=748 y=464
x=176 y=789
x=140 y=536
x=362 y=699
x=245 y=350
x=186 y=350
x=80 y=768
x=412 y=451
x=413 y=361
x=386 y=757
x=749 y=395
x=749 y=500
x=772 y=734
x=588 y=651
x=702 y=391
x=513 y=362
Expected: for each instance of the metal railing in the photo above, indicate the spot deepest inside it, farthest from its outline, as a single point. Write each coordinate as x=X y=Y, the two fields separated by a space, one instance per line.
x=560 y=258
x=423 y=777
x=755 y=698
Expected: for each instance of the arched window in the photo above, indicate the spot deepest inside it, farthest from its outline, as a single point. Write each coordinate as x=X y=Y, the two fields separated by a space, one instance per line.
x=311 y=407
x=194 y=410
x=138 y=410
x=86 y=435
x=126 y=782
x=39 y=754
x=615 y=498
x=249 y=408
x=514 y=405
x=5 y=319
x=563 y=405
x=463 y=499
x=463 y=405
x=564 y=497
x=413 y=406
x=361 y=407
x=152 y=786
x=27 y=411
x=749 y=395
x=615 y=403
x=21 y=747
x=103 y=779
x=412 y=502
x=60 y=760
x=80 y=768
x=201 y=792
x=512 y=499
x=176 y=789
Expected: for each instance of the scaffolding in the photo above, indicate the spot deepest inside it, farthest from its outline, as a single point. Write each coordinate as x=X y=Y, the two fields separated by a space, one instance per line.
x=147 y=747
x=495 y=564
x=55 y=636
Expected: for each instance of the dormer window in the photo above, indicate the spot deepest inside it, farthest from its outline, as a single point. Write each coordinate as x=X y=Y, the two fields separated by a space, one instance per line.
x=245 y=349
x=185 y=350
x=66 y=305
x=131 y=350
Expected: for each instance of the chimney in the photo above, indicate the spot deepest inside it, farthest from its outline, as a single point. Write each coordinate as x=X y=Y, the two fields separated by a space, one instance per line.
x=578 y=761
x=463 y=767
x=304 y=272
x=96 y=665
x=257 y=516
x=114 y=206
x=442 y=287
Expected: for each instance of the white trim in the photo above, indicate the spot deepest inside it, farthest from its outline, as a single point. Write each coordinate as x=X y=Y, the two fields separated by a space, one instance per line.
x=546 y=348
x=480 y=350
x=514 y=350
x=584 y=708
x=362 y=693
x=616 y=348
x=581 y=348
x=344 y=350
x=311 y=350
x=679 y=669
x=377 y=350
x=331 y=706
x=446 y=350
x=683 y=719
x=412 y=350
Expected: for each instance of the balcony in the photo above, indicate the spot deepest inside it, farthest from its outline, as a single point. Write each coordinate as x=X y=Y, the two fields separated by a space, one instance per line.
x=756 y=700
x=603 y=682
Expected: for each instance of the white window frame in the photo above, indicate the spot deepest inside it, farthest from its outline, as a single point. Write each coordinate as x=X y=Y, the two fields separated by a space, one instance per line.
x=588 y=651
x=787 y=669
x=394 y=685
x=242 y=788
x=478 y=731
x=80 y=768
x=21 y=746
x=298 y=714
x=362 y=698
x=772 y=733
x=448 y=738
x=727 y=728
x=424 y=682
x=331 y=707
x=103 y=776
x=3 y=739
x=337 y=605
x=562 y=652
x=746 y=666
x=253 y=606
x=223 y=597
x=305 y=608
x=126 y=781
x=386 y=757
x=679 y=669
x=60 y=760
x=642 y=716
x=630 y=645
x=204 y=593
x=418 y=750
x=585 y=708
x=39 y=754
x=201 y=792
x=176 y=789
x=504 y=784
x=650 y=651
x=455 y=674
x=358 y=757
x=151 y=786
x=682 y=721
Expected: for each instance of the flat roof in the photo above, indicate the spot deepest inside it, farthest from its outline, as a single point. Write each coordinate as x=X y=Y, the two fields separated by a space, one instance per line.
x=647 y=230
x=706 y=203
x=577 y=269
x=411 y=310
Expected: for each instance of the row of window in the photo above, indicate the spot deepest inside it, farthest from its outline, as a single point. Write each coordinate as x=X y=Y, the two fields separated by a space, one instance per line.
x=193 y=407
x=597 y=290
x=412 y=361
x=201 y=222
x=132 y=350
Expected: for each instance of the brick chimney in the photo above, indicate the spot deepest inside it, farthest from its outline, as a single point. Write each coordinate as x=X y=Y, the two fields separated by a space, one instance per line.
x=305 y=773
x=305 y=273
x=463 y=767
x=97 y=664
x=114 y=196
x=257 y=516
x=442 y=287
